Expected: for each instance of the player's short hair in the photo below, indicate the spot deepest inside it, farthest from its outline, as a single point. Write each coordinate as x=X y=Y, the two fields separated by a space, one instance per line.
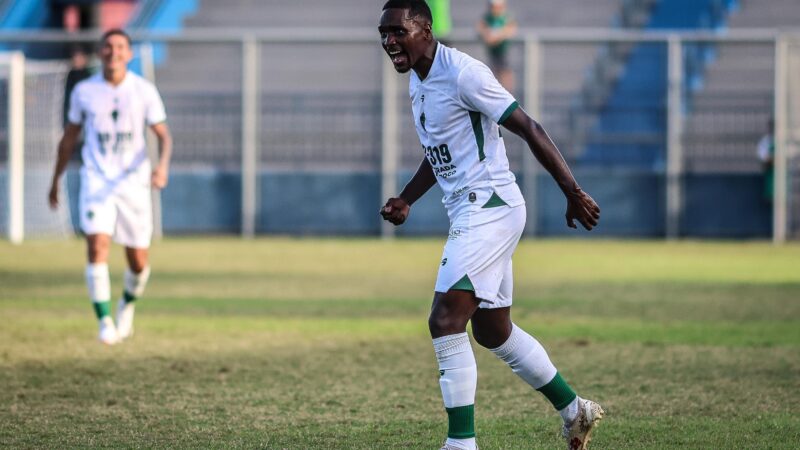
x=416 y=8
x=115 y=32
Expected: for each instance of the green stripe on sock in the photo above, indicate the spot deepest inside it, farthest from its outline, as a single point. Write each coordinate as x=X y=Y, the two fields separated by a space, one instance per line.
x=558 y=392
x=102 y=309
x=461 y=422
x=127 y=296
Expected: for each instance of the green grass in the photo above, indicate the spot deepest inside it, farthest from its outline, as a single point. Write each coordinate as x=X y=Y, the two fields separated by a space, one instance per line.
x=322 y=343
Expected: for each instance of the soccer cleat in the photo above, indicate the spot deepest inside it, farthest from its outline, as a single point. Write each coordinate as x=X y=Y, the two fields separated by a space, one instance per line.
x=447 y=446
x=125 y=312
x=108 y=332
x=578 y=433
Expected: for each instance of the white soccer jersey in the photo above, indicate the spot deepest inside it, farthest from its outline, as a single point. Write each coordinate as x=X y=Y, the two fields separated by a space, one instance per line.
x=115 y=119
x=457 y=108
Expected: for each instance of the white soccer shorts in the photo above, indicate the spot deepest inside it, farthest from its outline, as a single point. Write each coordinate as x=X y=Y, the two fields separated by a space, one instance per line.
x=480 y=245
x=120 y=209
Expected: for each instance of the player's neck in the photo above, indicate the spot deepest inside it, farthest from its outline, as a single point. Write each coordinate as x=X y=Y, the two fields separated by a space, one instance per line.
x=114 y=77
x=424 y=64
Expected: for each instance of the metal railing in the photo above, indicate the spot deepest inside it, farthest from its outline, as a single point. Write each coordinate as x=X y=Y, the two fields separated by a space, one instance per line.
x=533 y=44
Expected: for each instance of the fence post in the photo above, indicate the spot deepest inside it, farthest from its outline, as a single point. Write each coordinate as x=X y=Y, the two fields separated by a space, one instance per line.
x=533 y=104
x=149 y=73
x=16 y=148
x=390 y=154
x=674 y=137
x=780 y=199
x=251 y=109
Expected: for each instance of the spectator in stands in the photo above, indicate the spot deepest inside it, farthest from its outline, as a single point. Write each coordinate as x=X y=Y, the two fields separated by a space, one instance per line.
x=496 y=27
x=78 y=71
x=766 y=154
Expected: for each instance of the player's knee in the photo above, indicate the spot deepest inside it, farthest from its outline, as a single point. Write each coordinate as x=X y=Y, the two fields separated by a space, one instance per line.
x=491 y=336
x=442 y=324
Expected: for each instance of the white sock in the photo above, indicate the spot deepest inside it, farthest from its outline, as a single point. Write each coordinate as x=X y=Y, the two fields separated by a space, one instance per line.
x=570 y=412
x=99 y=286
x=458 y=379
x=136 y=282
x=527 y=358
x=98 y=283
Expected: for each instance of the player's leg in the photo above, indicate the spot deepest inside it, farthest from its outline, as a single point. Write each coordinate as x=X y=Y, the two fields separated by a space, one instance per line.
x=493 y=329
x=458 y=373
x=99 y=285
x=135 y=280
x=134 y=230
x=97 y=218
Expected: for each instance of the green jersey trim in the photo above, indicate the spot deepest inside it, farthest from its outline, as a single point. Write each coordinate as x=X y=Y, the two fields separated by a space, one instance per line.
x=464 y=284
x=511 y=108
x=477 y=128
x=494 y=201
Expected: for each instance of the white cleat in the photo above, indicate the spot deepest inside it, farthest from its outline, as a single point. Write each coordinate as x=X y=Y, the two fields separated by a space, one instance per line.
x=125 y=312
x=578 y=433
x=108 y=332
x=447 y=446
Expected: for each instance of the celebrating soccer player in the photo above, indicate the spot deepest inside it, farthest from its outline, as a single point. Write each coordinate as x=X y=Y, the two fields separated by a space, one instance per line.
x=112 y=109
x=457 y=105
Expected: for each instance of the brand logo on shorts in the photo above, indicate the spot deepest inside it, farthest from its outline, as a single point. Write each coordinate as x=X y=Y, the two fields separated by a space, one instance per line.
x=441 y=373
x=444 y=261
x=472 y=197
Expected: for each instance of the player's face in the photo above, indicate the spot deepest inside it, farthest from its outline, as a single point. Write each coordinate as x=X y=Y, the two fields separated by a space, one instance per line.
x=404 y=39
x=115 y=54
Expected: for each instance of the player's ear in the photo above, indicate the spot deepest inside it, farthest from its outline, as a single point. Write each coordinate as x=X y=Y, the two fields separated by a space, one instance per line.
x=427 y=29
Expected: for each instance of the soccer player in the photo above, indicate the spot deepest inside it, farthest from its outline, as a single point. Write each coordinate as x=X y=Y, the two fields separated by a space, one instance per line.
x=457 y=105
x=112 y=108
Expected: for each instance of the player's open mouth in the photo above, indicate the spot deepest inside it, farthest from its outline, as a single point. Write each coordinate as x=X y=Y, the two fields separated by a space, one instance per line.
x=397 y=57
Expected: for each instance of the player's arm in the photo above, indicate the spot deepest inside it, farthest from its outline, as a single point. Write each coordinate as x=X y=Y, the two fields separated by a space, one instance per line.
x=66 y=146
x=161 y=171
x=580 y=206
x=397 y=208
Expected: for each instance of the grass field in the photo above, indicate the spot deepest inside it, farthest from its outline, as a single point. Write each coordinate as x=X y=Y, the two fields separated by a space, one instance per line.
x=322 y=344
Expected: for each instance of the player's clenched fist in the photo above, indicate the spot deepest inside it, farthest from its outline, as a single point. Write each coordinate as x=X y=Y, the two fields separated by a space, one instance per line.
x=395 y=210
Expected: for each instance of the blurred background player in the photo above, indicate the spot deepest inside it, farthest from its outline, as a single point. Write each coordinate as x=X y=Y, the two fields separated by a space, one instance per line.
x=112 y=108
x=496 y=27
x=457 y=105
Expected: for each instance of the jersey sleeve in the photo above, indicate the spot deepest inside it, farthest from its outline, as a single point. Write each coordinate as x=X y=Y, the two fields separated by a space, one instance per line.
x=480 y=91
x=155 y=107
x=74 y=112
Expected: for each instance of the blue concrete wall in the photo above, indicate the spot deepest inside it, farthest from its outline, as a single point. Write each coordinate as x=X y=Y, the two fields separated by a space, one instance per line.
x=347 y=203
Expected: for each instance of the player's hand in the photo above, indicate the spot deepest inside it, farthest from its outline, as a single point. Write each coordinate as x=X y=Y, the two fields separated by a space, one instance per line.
x=582 y=207
x=52 y=197
x=395 y=210
x=160 y=178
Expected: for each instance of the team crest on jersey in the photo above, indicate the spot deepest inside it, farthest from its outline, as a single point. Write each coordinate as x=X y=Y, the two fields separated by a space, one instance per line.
x=472 y=197
x=90 y=215
x=114 y=115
